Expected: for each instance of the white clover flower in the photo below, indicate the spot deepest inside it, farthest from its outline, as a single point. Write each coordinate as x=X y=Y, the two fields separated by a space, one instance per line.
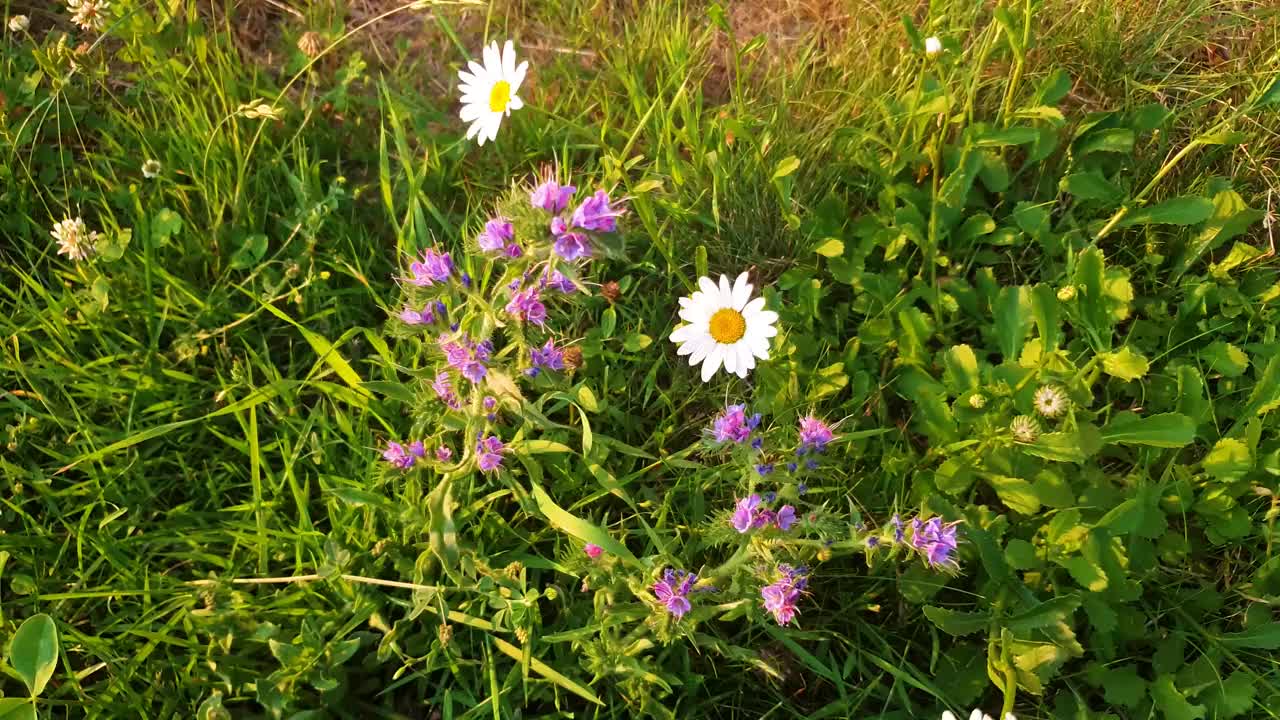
x=75 y=240
x=977 y=401
x=151 y=169
x=1050 y=401
x=932 y=45
x=1025 y=429
x=489 y=91
x=724 y=326
x=19 y=23
x=89 y=14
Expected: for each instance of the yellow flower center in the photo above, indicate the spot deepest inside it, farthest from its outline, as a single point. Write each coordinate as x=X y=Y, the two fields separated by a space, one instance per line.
x=728 y=326
x=500 y=96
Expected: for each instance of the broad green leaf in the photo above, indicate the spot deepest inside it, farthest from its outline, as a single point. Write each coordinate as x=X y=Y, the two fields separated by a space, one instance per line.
x=1168 y=430
x=250 y=252
x=608 y=322
x=545 y=670
x=830 y=247
x=1148 y=117
x=1176 y=211
x=1225 y=358
x=1125 y=364
x=1266 y=393
x=391 y=390
x=1046 y=309
x=1092 y=185
x=957 y=623
x=33 y=654
x=1271 y=95
x=1231 y=217
x=1231 y=697
x=1122 y=685
x=1229 y=460
x=442 y=532
x=1066 y=446
x=973 y=228
x=1090 y=280
x=1172 y=703
x=1116 y=140
x=1139 y=515
x=538 y=447
x=1013 y=319
x=1017 y=494
x=1007 y=136
x=164 y=225
x=1049 y=612
x=1021 y=554
x=17 y=709
x=577 y=527
x=587 y=398
x=786 y=166
x=1053 y=88
x=961 y=369
x=1033 y=219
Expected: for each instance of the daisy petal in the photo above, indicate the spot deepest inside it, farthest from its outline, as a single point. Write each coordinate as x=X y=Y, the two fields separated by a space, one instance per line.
x=708 y=287
x=753 y=308
x=741 y=292
x=712 y=363
x=731 y=359
x=509 y=60
x=518 y=79
x=701 y=346
x=492 y=59
x=515 y=104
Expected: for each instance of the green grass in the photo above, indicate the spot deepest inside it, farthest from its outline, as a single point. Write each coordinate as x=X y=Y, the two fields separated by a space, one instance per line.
x=186 y=415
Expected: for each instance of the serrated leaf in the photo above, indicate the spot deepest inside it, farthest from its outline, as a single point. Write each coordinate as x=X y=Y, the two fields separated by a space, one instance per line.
x=1266 y=393
x=1229 y=460
x=1046 y=309
x=830 y=247
x=1049 y=612
x=1225 y=358
x=1172 y=703
x=1169 y=430
x=1125 y=364
x=1231 y=217
x=1175 y=211
x=33 y=654
x=956 y=623
x=1085 y=572
x=1122 y=685
x=1231 y=697
x=961 y=369
x=1017 y=494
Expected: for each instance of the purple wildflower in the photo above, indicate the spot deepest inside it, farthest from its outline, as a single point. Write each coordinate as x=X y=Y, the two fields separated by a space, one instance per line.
x=781 y=596
x=935 y=540
x=466 y=280
x=801 y=489
x=435 y=267
x=552 y=196
x=489 y=453
x=417 y=449
x=496 y=234
x=815 y=434
x=483 y=350
x=547 y=357
x=786 y=518
x=557 y=281
x=398 y=456
x=513 y=251
x=757 y=443
x=474 y=370
x=744 y=513
x=792 y=467
x=731 y=425
x=673 y=591
x=764 y=469
x=455 y=354
x=490 y=402
x=444 y=390
x=753 y=422
x=770 y=496
x=596 y=214
x=811 y=464
x=897 y=528
x=444 y=454
x=569 y=245
x=873 y=541
x=527 y=305
x=414 y=317
x=593 y=551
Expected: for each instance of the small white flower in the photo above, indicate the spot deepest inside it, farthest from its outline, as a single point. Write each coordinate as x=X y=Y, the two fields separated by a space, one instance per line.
x=89 y=14
x=976 y=715
x=19 y=23
x=151 y=169
x=724 y=326
x=932 y=45
x=75 y=240
x=977 y=401
x=489 y=91
x=1050 y=401
x=1025 y=429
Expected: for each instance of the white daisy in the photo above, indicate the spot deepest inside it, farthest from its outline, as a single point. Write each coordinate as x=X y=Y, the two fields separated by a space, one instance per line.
x=151 y=169
x=89 y=14
x=489 y=91
x=724 y=326
x=75 y=240
x=1050 y=401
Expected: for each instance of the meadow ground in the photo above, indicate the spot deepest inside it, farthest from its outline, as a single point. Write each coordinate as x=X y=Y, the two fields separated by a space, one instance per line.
x=1076 y=195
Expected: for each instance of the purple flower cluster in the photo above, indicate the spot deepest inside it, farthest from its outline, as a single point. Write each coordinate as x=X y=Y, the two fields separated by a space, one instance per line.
x=444 y=390
x=489 y=452
x=557 y=281
x=935 y=540
x=444 y=454
x=750 y=513
x=593 y=551
x=781 y=596
x=814 y=434
x=428 y=315
x=596 y=214
x=467 y=357
x=552 y=196
x=435 y=267
x=548 y=357
x=569 y=245
x=527 y=305
x=673 y=591
x=403 y=457
x=497 y=237
x=733 y=425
